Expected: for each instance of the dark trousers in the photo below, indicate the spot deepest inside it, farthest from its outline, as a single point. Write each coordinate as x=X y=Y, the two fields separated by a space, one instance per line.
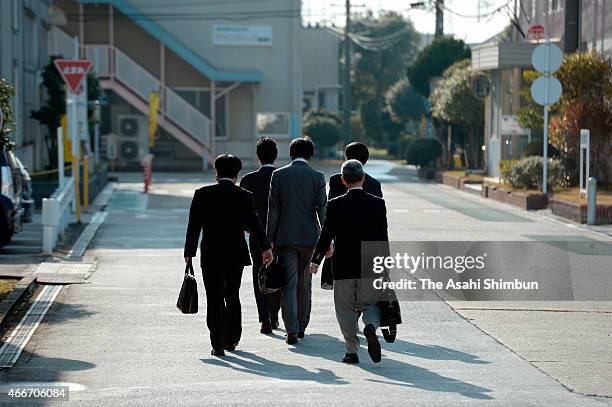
x=223 y=312
x=297 y=289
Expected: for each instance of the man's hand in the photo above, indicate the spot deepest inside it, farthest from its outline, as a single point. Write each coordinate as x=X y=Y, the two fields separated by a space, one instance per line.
x=267 y=257
x=330 y=251
x=188 y=259
x=313 y=268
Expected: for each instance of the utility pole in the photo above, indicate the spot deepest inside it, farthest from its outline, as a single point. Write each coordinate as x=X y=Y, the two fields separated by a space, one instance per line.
x=439 y=18
x=572 y=26
x=346 y=86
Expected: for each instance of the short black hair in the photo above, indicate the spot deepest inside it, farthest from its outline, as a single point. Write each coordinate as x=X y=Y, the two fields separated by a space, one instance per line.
x=301 y=148
x=266 y=150
x=357 y=151
x=227 y=166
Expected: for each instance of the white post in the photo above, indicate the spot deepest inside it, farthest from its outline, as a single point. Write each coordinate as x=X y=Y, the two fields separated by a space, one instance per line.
x=60 y=157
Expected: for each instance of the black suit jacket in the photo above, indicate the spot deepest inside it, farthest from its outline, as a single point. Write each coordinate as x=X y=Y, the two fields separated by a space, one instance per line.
x=337 y=188
x=351 y=219
x=221 y=212
x=258 y=183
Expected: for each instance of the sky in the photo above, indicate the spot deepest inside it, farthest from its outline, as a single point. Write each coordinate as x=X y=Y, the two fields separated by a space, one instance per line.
x=468 y=28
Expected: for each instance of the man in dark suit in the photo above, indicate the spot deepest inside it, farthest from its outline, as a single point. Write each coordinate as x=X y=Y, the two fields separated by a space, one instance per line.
x=354 y=151
x=220 y=212
x=351 y=219
x=296 y=209
x=258 y=182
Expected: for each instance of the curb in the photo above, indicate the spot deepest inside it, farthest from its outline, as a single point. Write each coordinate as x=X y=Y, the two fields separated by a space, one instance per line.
x=21 y=293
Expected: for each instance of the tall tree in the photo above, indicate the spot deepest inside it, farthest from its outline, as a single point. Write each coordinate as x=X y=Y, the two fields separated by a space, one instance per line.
x=454 y=102
x=383 y=47
x=404 y=103
x=433 y=60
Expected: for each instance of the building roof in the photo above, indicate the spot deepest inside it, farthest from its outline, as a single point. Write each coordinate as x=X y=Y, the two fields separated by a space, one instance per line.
x=178 y=47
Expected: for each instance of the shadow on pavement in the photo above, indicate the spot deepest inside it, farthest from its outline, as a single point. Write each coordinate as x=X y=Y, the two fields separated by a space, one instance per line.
x=400 y=373
x=433 y=352
x=247 y=362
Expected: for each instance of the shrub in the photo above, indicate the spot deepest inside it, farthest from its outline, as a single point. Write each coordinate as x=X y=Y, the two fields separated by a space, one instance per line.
x=7 y=91
x=534 y=148
x=400 y=147
x=527 y=173
x=324 y=131
x=424 y=151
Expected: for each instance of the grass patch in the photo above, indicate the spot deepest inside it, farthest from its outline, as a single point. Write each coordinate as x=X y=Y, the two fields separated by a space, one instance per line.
x=461 y=174
x=6 y=286
x=510 y=188
x=604 y=195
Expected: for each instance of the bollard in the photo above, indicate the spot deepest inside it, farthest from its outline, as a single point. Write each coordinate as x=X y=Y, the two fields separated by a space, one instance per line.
x=591 y=200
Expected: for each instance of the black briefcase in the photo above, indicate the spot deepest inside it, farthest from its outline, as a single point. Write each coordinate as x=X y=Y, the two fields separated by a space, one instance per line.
x=391 y=314
x=188 y=297
x=327 y=275
x=270 y=278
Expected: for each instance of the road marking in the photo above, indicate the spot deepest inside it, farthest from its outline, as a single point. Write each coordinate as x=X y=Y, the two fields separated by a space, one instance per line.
x=12 y=348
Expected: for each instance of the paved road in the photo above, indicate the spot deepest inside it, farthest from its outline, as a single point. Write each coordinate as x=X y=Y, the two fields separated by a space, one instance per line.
x=121 y=341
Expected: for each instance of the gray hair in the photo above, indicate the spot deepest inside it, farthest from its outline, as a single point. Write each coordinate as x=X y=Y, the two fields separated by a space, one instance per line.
x=352 y=171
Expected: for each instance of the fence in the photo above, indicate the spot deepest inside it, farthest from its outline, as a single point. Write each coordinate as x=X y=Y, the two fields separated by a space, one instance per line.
x=56 y=213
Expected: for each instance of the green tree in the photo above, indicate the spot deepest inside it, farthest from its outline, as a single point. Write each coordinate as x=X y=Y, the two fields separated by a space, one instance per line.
x=586 y=103
x=54 y=107
x=382 y=49
x=453 y=102
x=433 y=60
x=404 y=103
x=7 y=91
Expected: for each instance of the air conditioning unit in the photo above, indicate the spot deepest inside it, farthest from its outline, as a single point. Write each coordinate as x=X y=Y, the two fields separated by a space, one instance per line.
x=132 y=138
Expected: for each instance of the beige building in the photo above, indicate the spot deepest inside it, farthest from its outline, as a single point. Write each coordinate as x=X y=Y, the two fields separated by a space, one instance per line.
x=24 y=36
x=227 y=73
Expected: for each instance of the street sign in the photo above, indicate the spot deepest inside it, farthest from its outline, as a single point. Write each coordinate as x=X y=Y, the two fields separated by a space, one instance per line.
x=535 y=32
x=538 y=90
x=546 y=58
x=509 y=125
x=73 y=71
x=539 y=58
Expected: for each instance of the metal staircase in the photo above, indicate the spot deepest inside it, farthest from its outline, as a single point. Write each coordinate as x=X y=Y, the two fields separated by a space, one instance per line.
x=132 y=82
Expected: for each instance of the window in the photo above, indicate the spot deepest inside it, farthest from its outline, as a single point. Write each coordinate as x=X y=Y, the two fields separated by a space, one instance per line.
x=555 y=5
x=273 y=124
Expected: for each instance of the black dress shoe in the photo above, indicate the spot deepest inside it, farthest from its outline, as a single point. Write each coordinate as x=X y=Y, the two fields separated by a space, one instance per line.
x=266 y=328
x=275 y=323
x=351 y=358
x=231 y=347
x=217 y=352
x=373 y=344
x=301 y=335
x=291 y=339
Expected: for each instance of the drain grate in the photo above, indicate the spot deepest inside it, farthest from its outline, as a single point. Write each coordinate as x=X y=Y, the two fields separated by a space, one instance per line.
x=63 y=273
x=12 y=348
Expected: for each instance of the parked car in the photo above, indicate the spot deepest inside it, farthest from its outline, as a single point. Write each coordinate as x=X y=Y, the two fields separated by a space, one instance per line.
x=11 y=188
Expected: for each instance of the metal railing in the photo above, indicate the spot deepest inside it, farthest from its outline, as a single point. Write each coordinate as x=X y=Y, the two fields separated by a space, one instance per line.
x=110 y=62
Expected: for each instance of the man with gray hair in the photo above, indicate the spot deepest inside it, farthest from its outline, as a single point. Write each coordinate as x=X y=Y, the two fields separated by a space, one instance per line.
x=351 y=219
